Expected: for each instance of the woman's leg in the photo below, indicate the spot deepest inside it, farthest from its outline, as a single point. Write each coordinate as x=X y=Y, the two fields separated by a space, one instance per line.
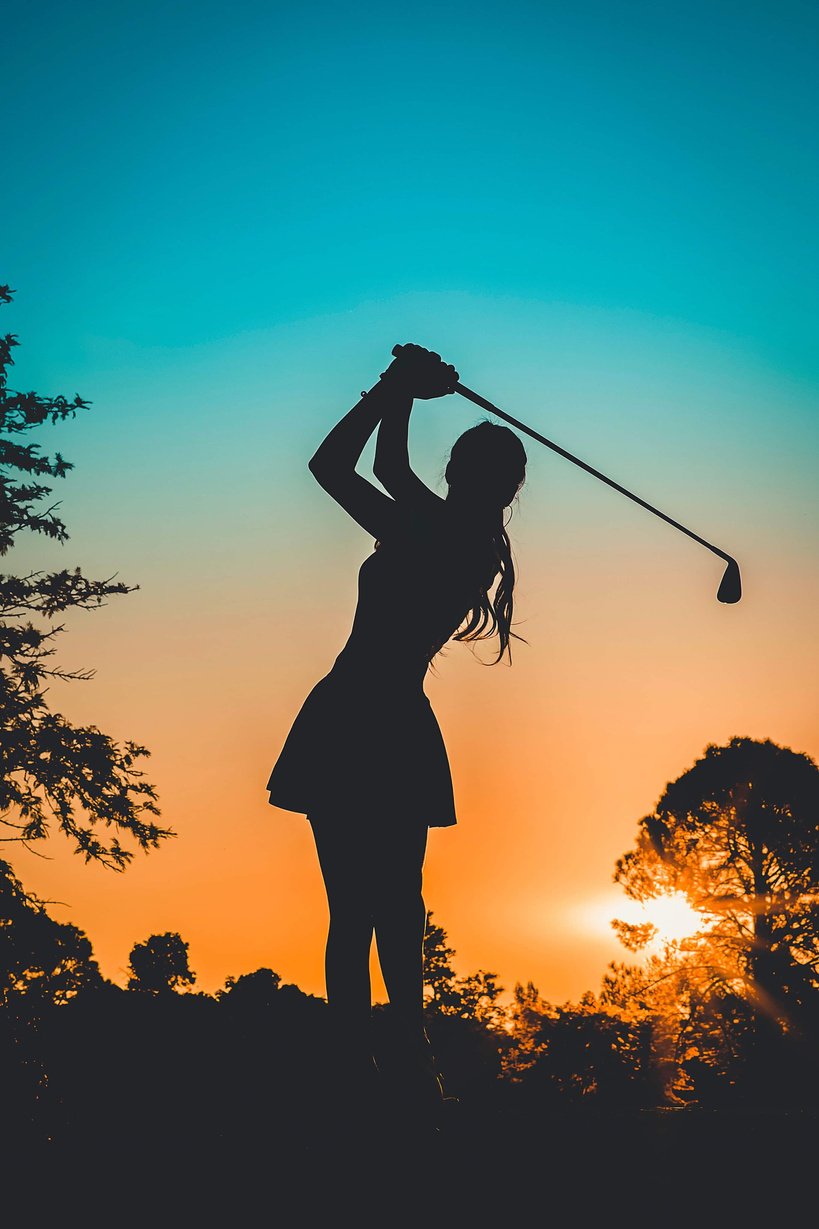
x=400 y=918
x=400 y=922
x=343 y=861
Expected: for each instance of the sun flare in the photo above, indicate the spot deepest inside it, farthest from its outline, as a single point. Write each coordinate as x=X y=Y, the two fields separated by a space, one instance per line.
x=671 y=915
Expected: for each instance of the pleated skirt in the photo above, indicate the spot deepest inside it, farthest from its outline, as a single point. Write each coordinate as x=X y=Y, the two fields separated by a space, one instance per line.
x=365 y=746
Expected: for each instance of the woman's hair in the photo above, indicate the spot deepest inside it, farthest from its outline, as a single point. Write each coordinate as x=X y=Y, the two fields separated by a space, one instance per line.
x=485 y=471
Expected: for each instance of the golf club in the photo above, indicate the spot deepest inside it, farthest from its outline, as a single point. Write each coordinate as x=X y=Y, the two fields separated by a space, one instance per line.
x=730 y=589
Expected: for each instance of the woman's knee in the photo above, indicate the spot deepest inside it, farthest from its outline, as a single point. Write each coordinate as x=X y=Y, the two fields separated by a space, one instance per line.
x=354 y=917
x=402 y=908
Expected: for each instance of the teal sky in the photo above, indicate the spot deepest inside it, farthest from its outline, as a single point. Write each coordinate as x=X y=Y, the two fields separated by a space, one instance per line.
x=219 y=219
x=603 y=214
x=181 y=172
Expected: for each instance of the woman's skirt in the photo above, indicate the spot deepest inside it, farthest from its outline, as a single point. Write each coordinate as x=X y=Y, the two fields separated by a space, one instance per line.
x=369 y=747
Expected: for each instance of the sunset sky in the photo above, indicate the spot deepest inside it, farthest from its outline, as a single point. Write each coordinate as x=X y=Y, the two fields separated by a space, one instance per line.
x=219 y=220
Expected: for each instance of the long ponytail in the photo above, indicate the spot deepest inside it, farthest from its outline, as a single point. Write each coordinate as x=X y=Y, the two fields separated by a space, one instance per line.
x=492 y=611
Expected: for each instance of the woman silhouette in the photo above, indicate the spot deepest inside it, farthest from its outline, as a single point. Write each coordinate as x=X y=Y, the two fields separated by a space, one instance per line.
x=364 y=759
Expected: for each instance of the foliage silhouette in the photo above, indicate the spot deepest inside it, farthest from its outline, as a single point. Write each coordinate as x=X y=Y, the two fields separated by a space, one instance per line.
x=43 y=965
x=51 y=770
x=160 y=964
x=258 y=990
x=473 y=997
x=439 y=975
x=739 y=1001
x=41 y=961
x=579 y=1052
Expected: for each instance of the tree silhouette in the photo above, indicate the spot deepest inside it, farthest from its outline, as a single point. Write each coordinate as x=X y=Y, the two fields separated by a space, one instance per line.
x=259 y=990
x=160 y=964
x=579 y=1051
x=439 y=975
x=737 y=833
x=43 y=965
x=52 y=770
x=472 y=997
x=701 y=1029
x=41 y=961
x=464 y=1018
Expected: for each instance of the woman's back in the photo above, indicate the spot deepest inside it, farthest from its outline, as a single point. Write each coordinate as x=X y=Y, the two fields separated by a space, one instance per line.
x=414 y=592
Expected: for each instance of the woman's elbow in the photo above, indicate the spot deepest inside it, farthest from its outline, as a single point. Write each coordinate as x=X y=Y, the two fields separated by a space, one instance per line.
x=327 y=476
x=317 y=466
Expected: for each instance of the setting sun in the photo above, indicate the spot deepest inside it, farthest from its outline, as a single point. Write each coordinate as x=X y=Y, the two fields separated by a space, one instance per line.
x=672 y=916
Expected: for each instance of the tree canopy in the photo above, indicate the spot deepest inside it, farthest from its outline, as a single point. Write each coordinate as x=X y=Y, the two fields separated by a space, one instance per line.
x=738 y=834
x=160 y=964
x=52 y=771
x=41 y=961
x=734 y=1007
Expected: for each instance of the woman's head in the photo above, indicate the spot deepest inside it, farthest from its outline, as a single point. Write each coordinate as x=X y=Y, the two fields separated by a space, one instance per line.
x=485 y=471
x=487 y=467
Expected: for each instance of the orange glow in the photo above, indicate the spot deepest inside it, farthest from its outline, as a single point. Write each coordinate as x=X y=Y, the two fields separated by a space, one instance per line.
x=671 y=915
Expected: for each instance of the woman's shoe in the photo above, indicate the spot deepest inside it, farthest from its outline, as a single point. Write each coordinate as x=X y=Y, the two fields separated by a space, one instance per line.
x=411 y=1075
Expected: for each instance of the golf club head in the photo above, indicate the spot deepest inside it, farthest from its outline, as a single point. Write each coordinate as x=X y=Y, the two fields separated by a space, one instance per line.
x=730 y=589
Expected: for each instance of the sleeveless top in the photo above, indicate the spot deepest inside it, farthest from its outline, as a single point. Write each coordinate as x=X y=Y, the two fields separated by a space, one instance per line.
x=414 y=592
x=366 y=742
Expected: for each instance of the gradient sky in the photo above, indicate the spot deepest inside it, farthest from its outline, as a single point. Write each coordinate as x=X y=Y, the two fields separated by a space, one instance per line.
x=219 y=221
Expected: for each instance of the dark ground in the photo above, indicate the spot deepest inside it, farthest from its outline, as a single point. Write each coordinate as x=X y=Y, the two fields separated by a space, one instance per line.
x=487 y=1164
x=182 y=1114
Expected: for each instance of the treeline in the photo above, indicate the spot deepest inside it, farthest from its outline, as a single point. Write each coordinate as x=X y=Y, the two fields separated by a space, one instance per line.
x=159 y=1059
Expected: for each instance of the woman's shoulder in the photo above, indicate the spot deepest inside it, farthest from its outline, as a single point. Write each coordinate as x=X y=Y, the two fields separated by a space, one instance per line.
x=442 y=529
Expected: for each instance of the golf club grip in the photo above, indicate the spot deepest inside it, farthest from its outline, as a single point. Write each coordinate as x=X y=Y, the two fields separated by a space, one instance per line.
x=520 y=426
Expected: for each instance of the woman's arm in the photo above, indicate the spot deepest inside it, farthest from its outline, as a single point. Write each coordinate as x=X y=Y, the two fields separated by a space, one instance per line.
x=334 y=461
x=415 y=373
x=392 y=464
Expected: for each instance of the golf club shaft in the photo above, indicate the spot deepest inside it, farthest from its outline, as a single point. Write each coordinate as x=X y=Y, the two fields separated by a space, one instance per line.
x=493 y=409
